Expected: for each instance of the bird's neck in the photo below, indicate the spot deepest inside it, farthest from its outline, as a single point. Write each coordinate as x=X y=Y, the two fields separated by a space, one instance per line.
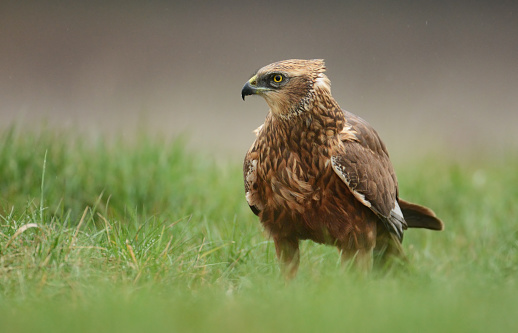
x=319 y=118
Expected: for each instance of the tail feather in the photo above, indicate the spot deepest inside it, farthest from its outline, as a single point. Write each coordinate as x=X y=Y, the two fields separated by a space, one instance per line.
x=417 y=216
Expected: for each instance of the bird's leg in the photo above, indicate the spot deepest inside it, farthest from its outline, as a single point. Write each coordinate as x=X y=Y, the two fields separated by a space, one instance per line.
x=361 y=259
x=289 y=255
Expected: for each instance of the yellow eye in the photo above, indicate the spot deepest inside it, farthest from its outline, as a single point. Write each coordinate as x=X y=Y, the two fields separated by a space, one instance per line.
x=277 y=78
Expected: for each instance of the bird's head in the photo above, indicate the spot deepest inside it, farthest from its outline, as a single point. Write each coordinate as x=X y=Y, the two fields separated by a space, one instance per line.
x=288 y=86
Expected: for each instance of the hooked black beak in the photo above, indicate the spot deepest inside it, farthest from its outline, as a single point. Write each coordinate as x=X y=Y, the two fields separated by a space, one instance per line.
x=247 y=90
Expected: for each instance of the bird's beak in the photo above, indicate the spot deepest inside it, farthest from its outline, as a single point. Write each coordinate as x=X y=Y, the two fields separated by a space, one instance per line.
x=247 y=90
x=250 y=87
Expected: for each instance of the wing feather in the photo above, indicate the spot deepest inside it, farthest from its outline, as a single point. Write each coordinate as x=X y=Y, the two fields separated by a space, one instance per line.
x=251 y=188
x=364 y=166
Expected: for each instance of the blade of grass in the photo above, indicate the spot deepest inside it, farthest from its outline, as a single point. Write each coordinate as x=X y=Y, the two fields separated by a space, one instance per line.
x=19 y=232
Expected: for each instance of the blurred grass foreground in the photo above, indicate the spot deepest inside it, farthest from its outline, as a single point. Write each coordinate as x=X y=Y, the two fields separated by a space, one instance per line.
x=148 y=236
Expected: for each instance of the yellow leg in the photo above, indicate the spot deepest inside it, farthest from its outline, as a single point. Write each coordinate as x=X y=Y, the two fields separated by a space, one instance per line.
x=288 y=254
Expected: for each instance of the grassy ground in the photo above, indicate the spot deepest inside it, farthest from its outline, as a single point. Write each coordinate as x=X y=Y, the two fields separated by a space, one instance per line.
x=146 y=236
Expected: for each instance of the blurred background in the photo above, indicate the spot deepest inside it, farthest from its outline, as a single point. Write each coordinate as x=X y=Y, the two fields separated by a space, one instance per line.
x=441 y=76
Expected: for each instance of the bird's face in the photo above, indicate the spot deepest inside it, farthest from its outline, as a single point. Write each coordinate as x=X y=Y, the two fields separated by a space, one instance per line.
x=286 y=85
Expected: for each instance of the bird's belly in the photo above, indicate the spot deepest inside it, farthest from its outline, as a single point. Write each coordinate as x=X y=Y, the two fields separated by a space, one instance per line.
x=324 y=211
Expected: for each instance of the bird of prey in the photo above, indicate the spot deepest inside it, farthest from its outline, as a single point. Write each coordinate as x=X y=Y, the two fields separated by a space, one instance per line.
x=318 y=172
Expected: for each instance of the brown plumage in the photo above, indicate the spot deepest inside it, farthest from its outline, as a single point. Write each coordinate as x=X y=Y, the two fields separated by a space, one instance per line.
x=318 y=172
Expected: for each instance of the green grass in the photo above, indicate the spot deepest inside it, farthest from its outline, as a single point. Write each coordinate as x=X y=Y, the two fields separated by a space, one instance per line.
x=147 y=236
